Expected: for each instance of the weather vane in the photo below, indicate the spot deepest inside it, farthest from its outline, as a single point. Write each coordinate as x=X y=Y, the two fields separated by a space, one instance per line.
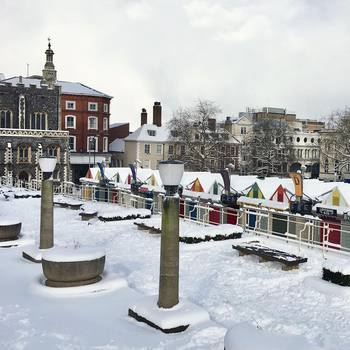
x=49 y=39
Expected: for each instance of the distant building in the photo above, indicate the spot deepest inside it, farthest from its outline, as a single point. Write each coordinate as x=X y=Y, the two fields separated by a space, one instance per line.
x=83 y=111
x=117 y=133
x=147 y=145
x=29 y=126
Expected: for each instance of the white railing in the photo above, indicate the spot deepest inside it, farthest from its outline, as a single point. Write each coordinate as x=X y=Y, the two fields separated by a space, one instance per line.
x=305 y=231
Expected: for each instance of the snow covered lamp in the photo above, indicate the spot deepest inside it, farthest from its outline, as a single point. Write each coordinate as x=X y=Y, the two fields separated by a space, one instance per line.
x=168 y=314
x=47 y=165
x=171 y=172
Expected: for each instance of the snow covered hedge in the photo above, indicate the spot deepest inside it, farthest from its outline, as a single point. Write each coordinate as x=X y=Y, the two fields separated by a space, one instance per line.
x=337 y=273
x=124 y=214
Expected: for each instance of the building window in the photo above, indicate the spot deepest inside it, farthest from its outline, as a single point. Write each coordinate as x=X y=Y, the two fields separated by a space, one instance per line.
x=72 y=143
x=243 y=130
x=326 y=166
x=105 y=123
x=54 y=151
x=105 y=107
x=38 y=121
x=159 y=149
x=92 y=106
x=92 y=144
x=151 y=132
x=70 y=105
x=70 y=122
x=146 y=163
x=147 y=148
x=92 y=123
x=182 y=150
x=23 y=154
x=105 y=144
x=5 y=119
x=171 y=149
x=298 y=139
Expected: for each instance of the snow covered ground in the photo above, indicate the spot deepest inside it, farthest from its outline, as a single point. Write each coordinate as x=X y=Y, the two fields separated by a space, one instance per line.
x=232 y=289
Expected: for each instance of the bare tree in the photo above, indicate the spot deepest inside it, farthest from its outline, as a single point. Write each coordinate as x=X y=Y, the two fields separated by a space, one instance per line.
x=268 y=150
x=335 y=141
x=195 y=135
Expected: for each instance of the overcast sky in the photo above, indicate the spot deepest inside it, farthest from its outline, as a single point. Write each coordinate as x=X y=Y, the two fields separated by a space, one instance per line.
x=238 y=53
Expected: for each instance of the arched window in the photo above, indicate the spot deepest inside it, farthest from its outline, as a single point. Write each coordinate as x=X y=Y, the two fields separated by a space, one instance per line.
x=53 y=151
x=38 y=121
x=24 y=154
x=326 y=166
x=5 y=119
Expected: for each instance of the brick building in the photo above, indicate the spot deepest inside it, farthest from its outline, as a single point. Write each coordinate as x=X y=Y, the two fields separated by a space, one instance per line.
x=29 y=127
x=82 y=111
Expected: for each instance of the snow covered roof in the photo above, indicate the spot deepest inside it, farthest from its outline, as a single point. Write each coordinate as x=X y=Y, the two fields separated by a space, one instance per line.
x=118 y=145
x=149 y=133
x=116 y=125
x=68 y=87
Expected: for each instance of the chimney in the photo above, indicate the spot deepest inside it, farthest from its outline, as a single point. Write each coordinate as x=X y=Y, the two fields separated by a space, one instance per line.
x=143 y=116
x=20 y=79
x=212 y=124
x=157 y=114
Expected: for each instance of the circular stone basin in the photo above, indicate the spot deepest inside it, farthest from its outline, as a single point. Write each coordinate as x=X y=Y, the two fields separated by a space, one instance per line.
x=69 y=267
x=9 y=229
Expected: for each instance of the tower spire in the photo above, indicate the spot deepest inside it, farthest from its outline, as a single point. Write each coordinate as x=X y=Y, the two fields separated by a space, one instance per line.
x=49 y=72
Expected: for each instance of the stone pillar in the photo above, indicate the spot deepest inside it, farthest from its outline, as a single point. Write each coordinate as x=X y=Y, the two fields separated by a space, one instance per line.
x=46 y=217
x=169 y=254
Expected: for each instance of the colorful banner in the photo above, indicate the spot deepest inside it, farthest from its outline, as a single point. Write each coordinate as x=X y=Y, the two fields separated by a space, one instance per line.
x=298 y=184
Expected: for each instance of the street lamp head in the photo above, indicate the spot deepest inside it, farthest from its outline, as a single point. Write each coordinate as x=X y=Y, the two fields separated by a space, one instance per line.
x=47 y=165
x=171 y=172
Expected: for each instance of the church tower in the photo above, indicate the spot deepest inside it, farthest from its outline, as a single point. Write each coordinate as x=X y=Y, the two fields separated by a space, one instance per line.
x=49 y=72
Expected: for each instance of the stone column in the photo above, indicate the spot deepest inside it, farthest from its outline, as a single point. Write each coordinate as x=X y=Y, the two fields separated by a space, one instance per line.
x=46 y=217
x=169 y=254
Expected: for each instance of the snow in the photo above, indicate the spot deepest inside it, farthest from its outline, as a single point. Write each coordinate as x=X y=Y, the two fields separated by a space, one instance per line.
x=9 y=221
x=67 y=254
x=189 y=228
x=338 y=266
x=110 y=282
x=121 y=212
x=182 y=314
x=247 y=337
x=141 y=134
x=212 y=275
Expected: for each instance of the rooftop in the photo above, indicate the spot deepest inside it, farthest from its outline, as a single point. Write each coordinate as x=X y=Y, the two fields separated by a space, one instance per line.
x=67 y=87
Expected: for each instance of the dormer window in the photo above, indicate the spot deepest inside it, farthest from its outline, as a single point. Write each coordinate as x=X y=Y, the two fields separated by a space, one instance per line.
x=151 y=132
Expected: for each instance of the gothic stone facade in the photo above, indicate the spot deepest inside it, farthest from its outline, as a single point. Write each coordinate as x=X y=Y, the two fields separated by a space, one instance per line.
x=29 y=123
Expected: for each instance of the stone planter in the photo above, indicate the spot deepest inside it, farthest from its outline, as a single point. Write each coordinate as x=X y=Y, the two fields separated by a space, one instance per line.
x=9 y=230
x=69 y=267
x=75 y=206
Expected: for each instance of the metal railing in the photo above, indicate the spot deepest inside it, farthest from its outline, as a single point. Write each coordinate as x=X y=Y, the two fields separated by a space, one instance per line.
x=305 y=231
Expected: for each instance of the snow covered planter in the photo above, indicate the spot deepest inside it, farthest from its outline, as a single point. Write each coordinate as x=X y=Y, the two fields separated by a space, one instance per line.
x=192 y=232
x=337 y=273
x=248 y=337
x=124 y=214
x=9 y=230
x=88 y=214
x=69 y=267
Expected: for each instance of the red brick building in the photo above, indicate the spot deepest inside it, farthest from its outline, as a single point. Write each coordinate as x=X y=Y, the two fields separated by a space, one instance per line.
x=85 y=113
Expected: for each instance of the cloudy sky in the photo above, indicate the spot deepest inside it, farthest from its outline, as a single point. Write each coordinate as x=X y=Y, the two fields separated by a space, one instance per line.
x=238 y=53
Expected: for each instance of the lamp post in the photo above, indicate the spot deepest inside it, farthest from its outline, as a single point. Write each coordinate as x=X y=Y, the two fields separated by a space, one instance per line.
x=171 y=172
x=163 y=315
x=47 y=165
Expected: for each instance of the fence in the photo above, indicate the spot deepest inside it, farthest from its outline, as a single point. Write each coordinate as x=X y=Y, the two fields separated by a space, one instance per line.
x=305 y=230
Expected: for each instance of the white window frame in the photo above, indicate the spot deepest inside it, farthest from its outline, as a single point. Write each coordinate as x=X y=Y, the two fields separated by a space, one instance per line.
x=73 y=108
x=105 y=108
x=105 y=144
x=157 y=148
x=147 y=164
x=91 y=109
x=66 y=121
x=144 y=148
x=88 y=144
x=105 y=123
x=75 y=143
x=92 y=117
